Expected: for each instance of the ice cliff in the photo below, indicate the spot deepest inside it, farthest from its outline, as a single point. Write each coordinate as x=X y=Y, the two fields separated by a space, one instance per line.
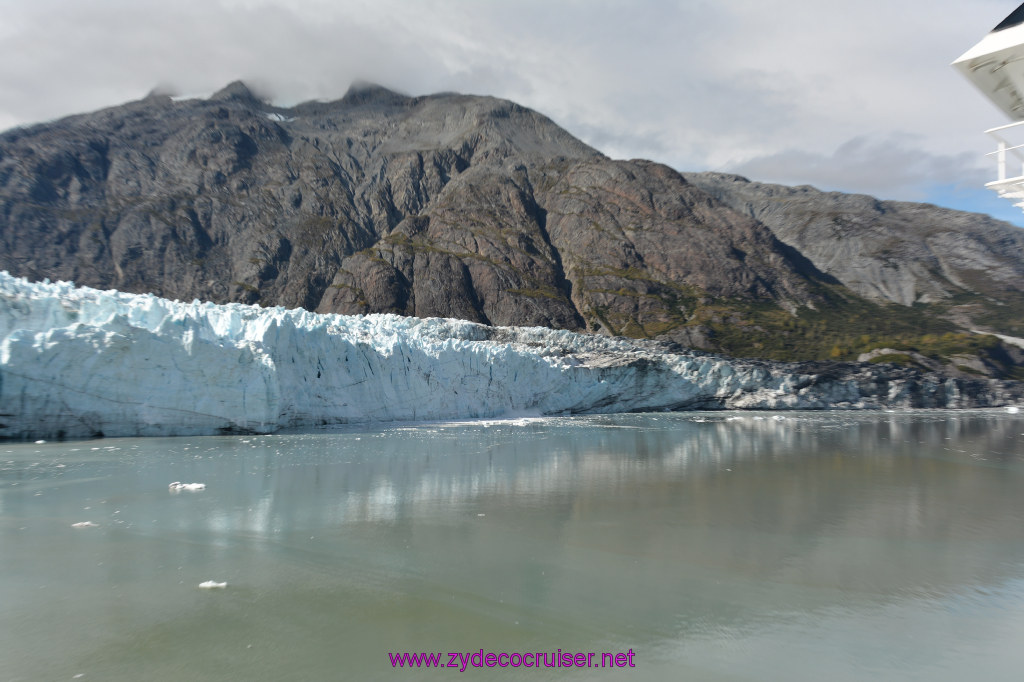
x=78 y=362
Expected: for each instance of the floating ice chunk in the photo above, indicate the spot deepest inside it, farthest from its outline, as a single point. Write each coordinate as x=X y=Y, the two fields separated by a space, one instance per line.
x=40 y=442
x=1013 y=409
x=178 y=486
x=212 y=585
x=85 y=524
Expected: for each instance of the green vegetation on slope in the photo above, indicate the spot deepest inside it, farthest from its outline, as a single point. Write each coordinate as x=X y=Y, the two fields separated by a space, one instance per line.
x=840 y=328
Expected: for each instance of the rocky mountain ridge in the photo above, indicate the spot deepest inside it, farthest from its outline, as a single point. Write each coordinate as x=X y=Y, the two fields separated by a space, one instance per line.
x=892 y=251
x=477 y=208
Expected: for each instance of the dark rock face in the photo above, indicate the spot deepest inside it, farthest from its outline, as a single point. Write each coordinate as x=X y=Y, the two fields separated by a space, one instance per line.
x=641 y=246
x=467 y=207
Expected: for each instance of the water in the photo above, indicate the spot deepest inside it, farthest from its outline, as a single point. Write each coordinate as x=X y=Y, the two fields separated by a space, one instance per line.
x=714 y=546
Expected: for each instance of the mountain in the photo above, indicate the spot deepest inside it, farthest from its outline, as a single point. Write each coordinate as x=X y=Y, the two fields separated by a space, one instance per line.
x=477 y=208
x=964 y=266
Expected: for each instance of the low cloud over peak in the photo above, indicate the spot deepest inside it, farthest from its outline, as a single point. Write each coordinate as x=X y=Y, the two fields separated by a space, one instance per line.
x=826 y=94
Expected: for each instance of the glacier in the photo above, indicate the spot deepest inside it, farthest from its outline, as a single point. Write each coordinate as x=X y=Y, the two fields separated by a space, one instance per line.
x=77 y=362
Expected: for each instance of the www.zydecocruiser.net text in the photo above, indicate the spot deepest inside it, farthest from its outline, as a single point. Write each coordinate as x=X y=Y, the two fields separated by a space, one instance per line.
x=461 y=660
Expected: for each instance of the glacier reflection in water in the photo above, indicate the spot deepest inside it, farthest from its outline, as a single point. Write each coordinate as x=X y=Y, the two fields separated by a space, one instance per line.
x=725 y=546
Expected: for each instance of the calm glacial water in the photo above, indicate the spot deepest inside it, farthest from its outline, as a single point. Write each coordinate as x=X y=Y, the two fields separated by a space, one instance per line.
x=716 y=547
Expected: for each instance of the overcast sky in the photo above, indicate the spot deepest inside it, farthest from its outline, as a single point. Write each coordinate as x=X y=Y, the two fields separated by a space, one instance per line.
x=854 y=96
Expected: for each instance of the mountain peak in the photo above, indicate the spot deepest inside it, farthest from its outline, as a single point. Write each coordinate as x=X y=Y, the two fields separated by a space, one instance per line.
x=236 y=90
x=363 y=92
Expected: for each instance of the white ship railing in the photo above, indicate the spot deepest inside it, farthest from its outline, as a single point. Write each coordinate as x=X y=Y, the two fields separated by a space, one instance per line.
x=1008 y=187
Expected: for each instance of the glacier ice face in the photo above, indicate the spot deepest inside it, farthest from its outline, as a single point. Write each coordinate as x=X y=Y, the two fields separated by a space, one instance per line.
x=77 y=362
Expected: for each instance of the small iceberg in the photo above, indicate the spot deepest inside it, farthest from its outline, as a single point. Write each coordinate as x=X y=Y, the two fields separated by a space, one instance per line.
x=85 y=524
x=1013 y=409
x=212 y=585
x=178 y=486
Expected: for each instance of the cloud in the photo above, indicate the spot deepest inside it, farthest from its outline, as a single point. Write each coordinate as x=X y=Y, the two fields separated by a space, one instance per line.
x=814 y=92
x=893 y=167
x=74 y=56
